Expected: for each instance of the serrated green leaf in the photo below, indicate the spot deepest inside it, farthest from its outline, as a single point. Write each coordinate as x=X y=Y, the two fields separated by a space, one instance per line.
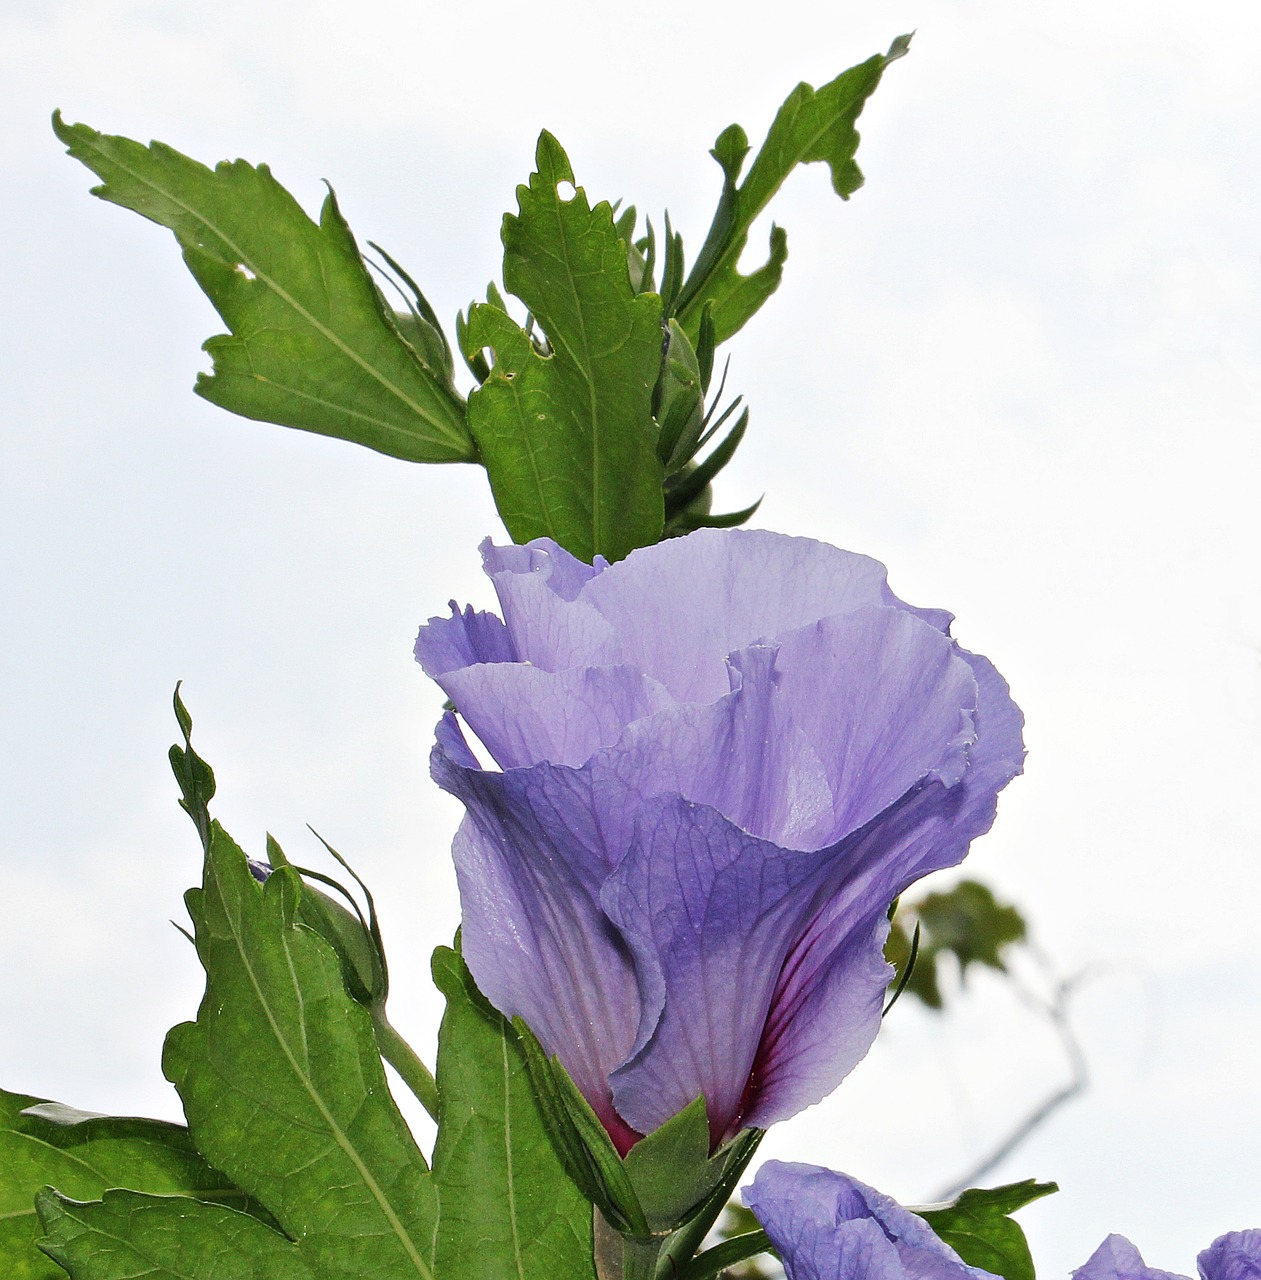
x=568 y=437
x=283 y=1085
x=507 y=1208
x=83 y=1155
x=312 y=345
x=812 y=125
x=979 y=1228
x=128 y=1235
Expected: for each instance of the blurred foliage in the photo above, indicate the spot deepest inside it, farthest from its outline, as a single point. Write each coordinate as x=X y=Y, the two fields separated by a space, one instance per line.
x=966 y=922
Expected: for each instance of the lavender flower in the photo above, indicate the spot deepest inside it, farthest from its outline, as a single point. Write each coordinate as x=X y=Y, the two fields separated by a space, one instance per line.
x=719 y=761
x=1234 y=1256
x=829 y=1226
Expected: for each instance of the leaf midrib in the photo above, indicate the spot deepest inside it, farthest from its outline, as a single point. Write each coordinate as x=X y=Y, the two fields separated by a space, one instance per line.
x=334 y=1128
x=247 y=260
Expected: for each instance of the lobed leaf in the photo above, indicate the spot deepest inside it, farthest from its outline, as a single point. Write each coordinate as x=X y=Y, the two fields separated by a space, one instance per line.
x=813 y=125
x=567 y=434
x=44 y=1143
x=283 y=1085
x=312 y=345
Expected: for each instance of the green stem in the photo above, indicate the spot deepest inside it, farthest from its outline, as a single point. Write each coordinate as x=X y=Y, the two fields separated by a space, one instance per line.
x=403 y=1058
x=619 y=1257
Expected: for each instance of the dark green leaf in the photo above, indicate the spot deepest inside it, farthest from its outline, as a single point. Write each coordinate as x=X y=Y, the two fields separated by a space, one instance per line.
x=283 y=1086
x=812 y=125
x=129 y=1235
x=979 y=1228
x=568 y=437
x=312 y=344
x=508 y=1209
x=83 y=1155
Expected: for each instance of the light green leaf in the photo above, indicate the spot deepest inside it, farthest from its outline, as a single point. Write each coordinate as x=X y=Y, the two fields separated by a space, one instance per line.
x=979 y=1228
x=128 y=1235
x=283 y=1086
x=812 y=125
x=83 y=1155
x=312 y=345
x=508 y=1209
x=567 y=433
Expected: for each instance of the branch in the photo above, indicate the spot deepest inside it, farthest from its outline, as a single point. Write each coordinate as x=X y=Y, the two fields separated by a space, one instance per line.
x=1055 y=1010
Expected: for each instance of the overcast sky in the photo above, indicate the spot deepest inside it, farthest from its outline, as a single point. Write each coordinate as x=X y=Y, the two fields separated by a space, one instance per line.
x=1022 y=366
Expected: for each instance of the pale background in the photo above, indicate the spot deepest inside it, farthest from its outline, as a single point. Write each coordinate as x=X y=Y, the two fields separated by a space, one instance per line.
x=1022 y=366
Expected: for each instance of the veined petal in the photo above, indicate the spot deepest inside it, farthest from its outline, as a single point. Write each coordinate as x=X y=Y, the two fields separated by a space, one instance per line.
x=829 y=1226
x=540 y=592
x=680 y=607
x=1117 y=1259
x=884 y=699
x=465 y=638
x=525 y=714
x=1234 y=1256
x=825 y=1010
x=709 y=913
x=530 y=859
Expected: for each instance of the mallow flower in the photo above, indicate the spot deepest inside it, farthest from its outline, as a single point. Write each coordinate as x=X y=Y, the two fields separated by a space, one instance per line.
x=707 y=771
x=1234 y=1256
x=829 y=1226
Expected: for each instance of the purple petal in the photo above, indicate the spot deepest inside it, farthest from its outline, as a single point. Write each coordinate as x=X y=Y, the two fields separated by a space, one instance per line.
x=1234 y=1256
x=828 y=1226
x=678 y=608
x=530 y=859
x=525 y=714
x=539 y=588
x=1117 y=1259
x=825 y=1010
x=708 y=912
x=465 y=638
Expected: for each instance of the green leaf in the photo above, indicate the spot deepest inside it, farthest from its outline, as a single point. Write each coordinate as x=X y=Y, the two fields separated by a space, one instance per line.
x=812 y=125
x=567 y=434
x=979 y=1228
x=128 y=1235
x=312 y=345
x=283 y=1085
x=83 y=1155
x=508 y=1209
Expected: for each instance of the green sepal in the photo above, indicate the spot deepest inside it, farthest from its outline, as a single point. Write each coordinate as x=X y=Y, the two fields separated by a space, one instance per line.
x=679 y=400
x=812 y=125
x=978 y=1226
x=312 y=343
x=357 y=941
x=582 y=1142
x=566 y=432
x=672 y=1170
x=507 y=1206
x=46 y=1143
x=732 y=1251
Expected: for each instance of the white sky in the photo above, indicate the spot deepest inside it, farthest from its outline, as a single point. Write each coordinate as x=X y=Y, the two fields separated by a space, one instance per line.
x=1022 y=367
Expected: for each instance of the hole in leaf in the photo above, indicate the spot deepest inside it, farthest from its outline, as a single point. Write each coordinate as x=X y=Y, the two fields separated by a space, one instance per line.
x=566 y=191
